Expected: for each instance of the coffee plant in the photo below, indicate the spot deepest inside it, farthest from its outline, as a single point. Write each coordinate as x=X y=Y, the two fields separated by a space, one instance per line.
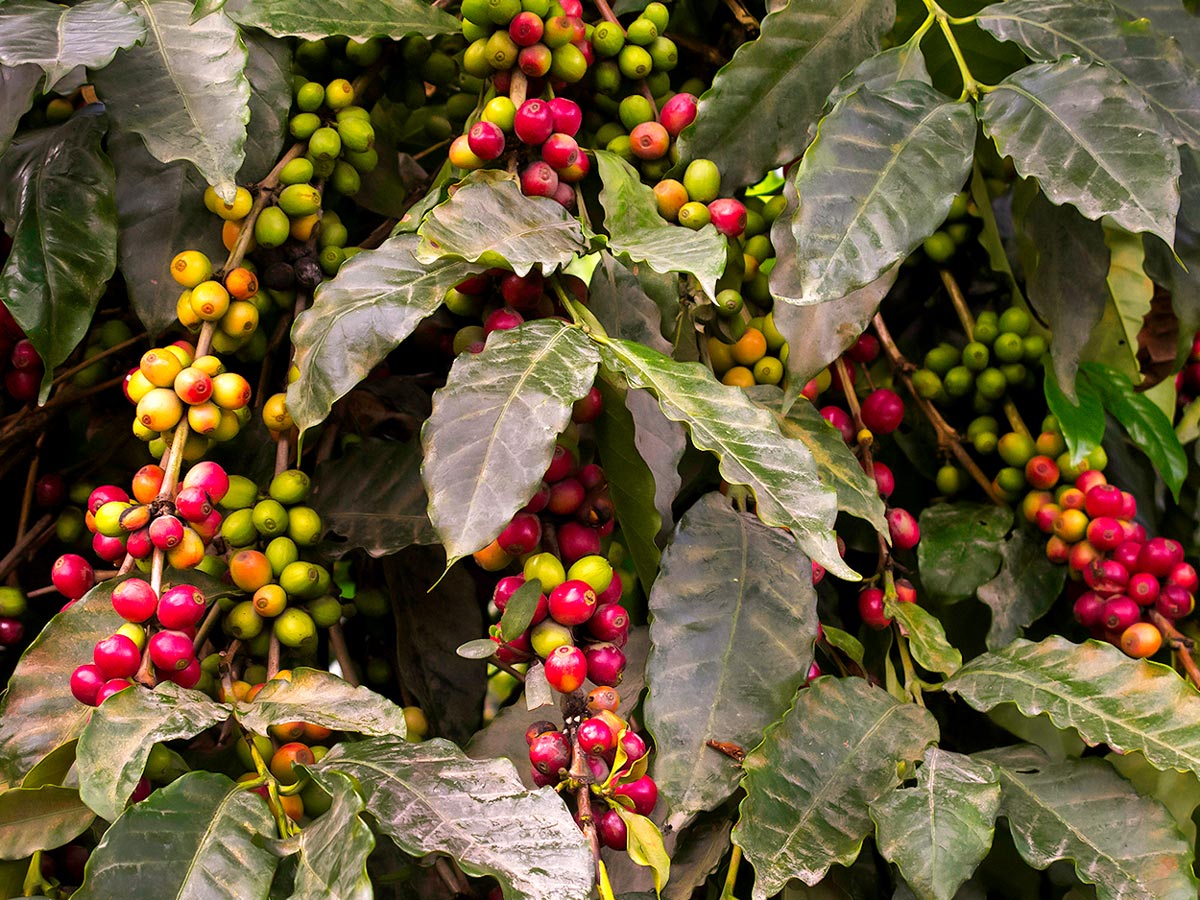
x=563 y=448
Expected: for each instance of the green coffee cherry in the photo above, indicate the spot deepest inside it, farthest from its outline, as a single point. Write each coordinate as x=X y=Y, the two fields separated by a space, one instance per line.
x=1016 y=320
x=345 y=179
x=238 y=529
x=272 y=227
x=991 y=383
x=324 y=143
x=326 y=611
x=926 y=383
x=363 y=162
x=295 y=628
x=1008 y=347
x=702 y=180
x=270 y=518
x=290 y=487
x=302 y=125
x=12 y=602
x=634 y=62
x=694 y=215
x=297 y=171
x=728 y=303
x=664 y=54
x=641 y=31
x=950 y=480
x=959 y=381
x=372 y=603
x=242 y=622
x=242 y=493
x=281 y=553
x=634 y=110
x=304 y=526
x=939 y=246
x=607 y=39
x=298 y=200
x=339 y=93
x=330 y=259
x=987 y=327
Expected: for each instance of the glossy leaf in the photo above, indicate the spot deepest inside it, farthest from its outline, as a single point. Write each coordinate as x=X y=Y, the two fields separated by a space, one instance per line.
x=430 y=798
x=1090 y=140
x=1145 y=58
x=59 y=38
x=57 y=205
x=926 y=638
x=775 y=86
x=361 y=315
x=19 y=86
x=748 y=443
x=318 y=697
x=357 y=19
x=521 y=607
x=1130 y=293
x=1179 y=792
x=1064 y=810
x=810 y=783
x=1024 y=589
x=938 y=831
x=184 y=91
x=836 y=462
x=269 y=71
x=1169 y=17
x=989 y=237
x=334 y=848
x=1082 y=422
x=878 y=179
x=639 y=234
x=159 y=212
x=41 y=818
x=53 y=768
x=959 y=547
x=633 y=475
x=725 y=668
x=645 y=846
x=1109 y=698
x=845 y=642
x=492 y=432
x=200 y=836
x=1149 y=427
x=116 y=743
x=662 y=444
x=881 y=71
x=489 y=221
x=618 y=300
x=373 y=497
x=1064 y=278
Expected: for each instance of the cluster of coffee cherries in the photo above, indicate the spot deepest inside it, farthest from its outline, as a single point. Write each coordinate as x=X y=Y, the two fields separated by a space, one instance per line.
x=759 y=354
x=498 y=300
x=542 y=39
x=230 y=302
x=1122 y=573
x=614 y=756
x=695 y=201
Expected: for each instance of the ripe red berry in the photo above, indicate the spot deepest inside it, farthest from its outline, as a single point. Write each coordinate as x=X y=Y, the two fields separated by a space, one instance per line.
x=193 y=504
x=188 y=676
x=560 y=150
x=1174 y=602
x=526 y=29
x=572 y=602
x=533 y=122
x=538 y=728
x=566 y=669
x=550 y=752
x=117 y=656
x=181 y=607
x=522 y=535
x=1184 y=575
x=611 y=828
x=72 y=575
x=643 y=792
x=605 y=664
x=595 y=737
x=1103 y=500
x=728 y=216
x=1127 y=553
x=649 y=140
x=905 y=591
x=905 y=531
x=1089 y=609
x=885 y=479
x=1120 y=612
x=171 y=650
x=870 y=608
x=106 y=493
x=1105 y=533
x=109 y=549
x=882 y=411
x=839 y=419
x=486 y=140
x=210 y=478
x=86 y=680
x=1143 y=588
x=11 y=631
x=24 y=356
x=51 y=490
x=110 y=687
x=567 y=115
x=1041 y=472
x=678 y=113
x=576 y=541
x=609 y=622
x=634 y=746
x=1157 y=557
x=166 y=532
x=505 y=588
x=1106 y=577
x=538 y=179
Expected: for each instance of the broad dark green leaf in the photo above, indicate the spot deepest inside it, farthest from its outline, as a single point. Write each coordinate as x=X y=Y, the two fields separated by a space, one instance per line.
x=697 y=853
x=810 y=783
x=333 y=848
x=160 y=212
x=1065 y=810
x=318 y=697
x=733 y=620
x=1082 y=422
x=57 y=205
x=1145 y=423
x=269 y=71
x=1128 y=704
x=881 y=71
x=632 y=481
x=990 y=239
x=960 y=547
x=926 y=638
x=637 y=233
x=59 y=38
x=1172 y=18
x=619 y=302
x=361 y=315
x=1064 y=277
x=489 y=221
x=938 y=831
x=19 y=86
x=357 y=19
x=42 y=818
x=430 y=798
x=184 y=91
x=747 y=441
x=374 y=498
x=661 y=444
x=116 y=743
x=1179 y=792
x=53 y=768
x=1145 y=58
x=200 y=836
x=1184 y=284
x=492 y=432
x=1024 y=589
x=520 y=609
x=836 y=463
x=1090 y=140
x=877 y=180
x=1114 y=341
x=757 y=113
x=645 y=846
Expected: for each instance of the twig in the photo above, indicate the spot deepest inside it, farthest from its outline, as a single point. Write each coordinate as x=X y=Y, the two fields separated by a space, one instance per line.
x=581 y=775
x=1180 y=643
x=644 y=90
x=337 y=640
x=44 y=525
x=709 y=54
x=92 y=360
x=431 y=149
x=30 y=484
x=744 y=18
x=273 y=656
x=264 y=189
x=607 y=13
x=381 y=233
x=505 y=667
x=210 y=619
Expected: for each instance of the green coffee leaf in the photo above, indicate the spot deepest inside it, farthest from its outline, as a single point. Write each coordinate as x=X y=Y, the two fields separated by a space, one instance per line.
x=989 y=234
x=907 y=141
x=200 y=836
x=481 y=648
x=810 y=783
x=1130 y=294
x=1179 y=792
x=430 y=798
x=748 y=443
x=836 y=462
x=1169 y=18
x=645 y=846
x=1090 y=140
x=359 y=317
x=726 y=668
x=1064 y=810
x=881 y=71
x=757 y=113
x=333 y=848
x=184 y=91
x=489 y=221
x=1023 y=590
x=53 y=768
x=926 y=638
x=520 y=609
x=269 y=71
x=618 y=298
x=938 y=831
x=321 y=698
x=1128 y=704
x=1082 y=422
x=373 y=497
x=492 y=432
x=637 y=233
x=59 y=38
x=57 y=204
x=357 y=19
x=959 y=547
x=116 y=743
x=1146 y=59
x=844 y=641
x=19 y=86
x=41 y=818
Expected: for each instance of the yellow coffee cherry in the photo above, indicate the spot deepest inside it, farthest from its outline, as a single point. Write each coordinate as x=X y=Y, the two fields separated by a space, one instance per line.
x=241 y=319
x=209 y=301
x=191 y=267
x=238 y=209
x=160 y=409
x=183 y=312
x=160 y=367
x=275 y=414
x=138 y=386
x=302 y=228
x=204 y=418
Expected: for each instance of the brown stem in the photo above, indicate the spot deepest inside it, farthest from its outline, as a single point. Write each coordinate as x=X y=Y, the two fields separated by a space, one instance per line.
x=381 y=233
x=273 y=656
x=210 y=619
x=708 y=53
x=30 y=484
x=1180 y=643
x=264 y=375
x=644 y=90
x=92 y=360
x=264 y=190
x=518 y=87
x=505 y=667
x=337 y=640
x=282 y=452
x=431 y=149
x=452 y=877
x=947 y=437
x=607 y=13
x=744 y=18
x=581 y=774
x=12 y=559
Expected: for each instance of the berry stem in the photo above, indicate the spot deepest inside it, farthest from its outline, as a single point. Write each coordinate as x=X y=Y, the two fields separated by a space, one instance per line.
x=505 y=667
x=210 y=619
x=947 y=437
x=912 y=683
x=744 y=18
x=581 y=775
x=273 y=656
x=337 y=641
x=607 y=13
x=263 y=192
x=1181 y=645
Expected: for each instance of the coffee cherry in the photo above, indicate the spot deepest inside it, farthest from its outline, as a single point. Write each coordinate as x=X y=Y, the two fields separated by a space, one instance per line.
x=885 y=479
x=171 y=650
x=610 y=623
x=678 y=113
x=181 y=607
x=1119 y=613
x=612 y=593
x=117 y=656
x=576 y=541
x=871 y=608
x=1184 y=575
x=603 y=698
x=505 y=588
x=728 y=216
x=539 y=728
x=595 y=737
x=548 y=635
x=110 y=687
x=882 y=411
x=72 y=576
x=572 y=602
x=839 y=419
x=550 y=753
x=643 y=792
x=611 y=829
x=1088 y=609
x=605 y=664
x=1141 y=640
x=1174 y=602
x=566 y=669
x=903 y=528
x=86 y=681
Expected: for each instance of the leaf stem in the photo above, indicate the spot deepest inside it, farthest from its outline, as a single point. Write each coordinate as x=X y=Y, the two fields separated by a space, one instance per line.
x=505 y=667
x=731 y=874
x=944 y=20
x=912 y=683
